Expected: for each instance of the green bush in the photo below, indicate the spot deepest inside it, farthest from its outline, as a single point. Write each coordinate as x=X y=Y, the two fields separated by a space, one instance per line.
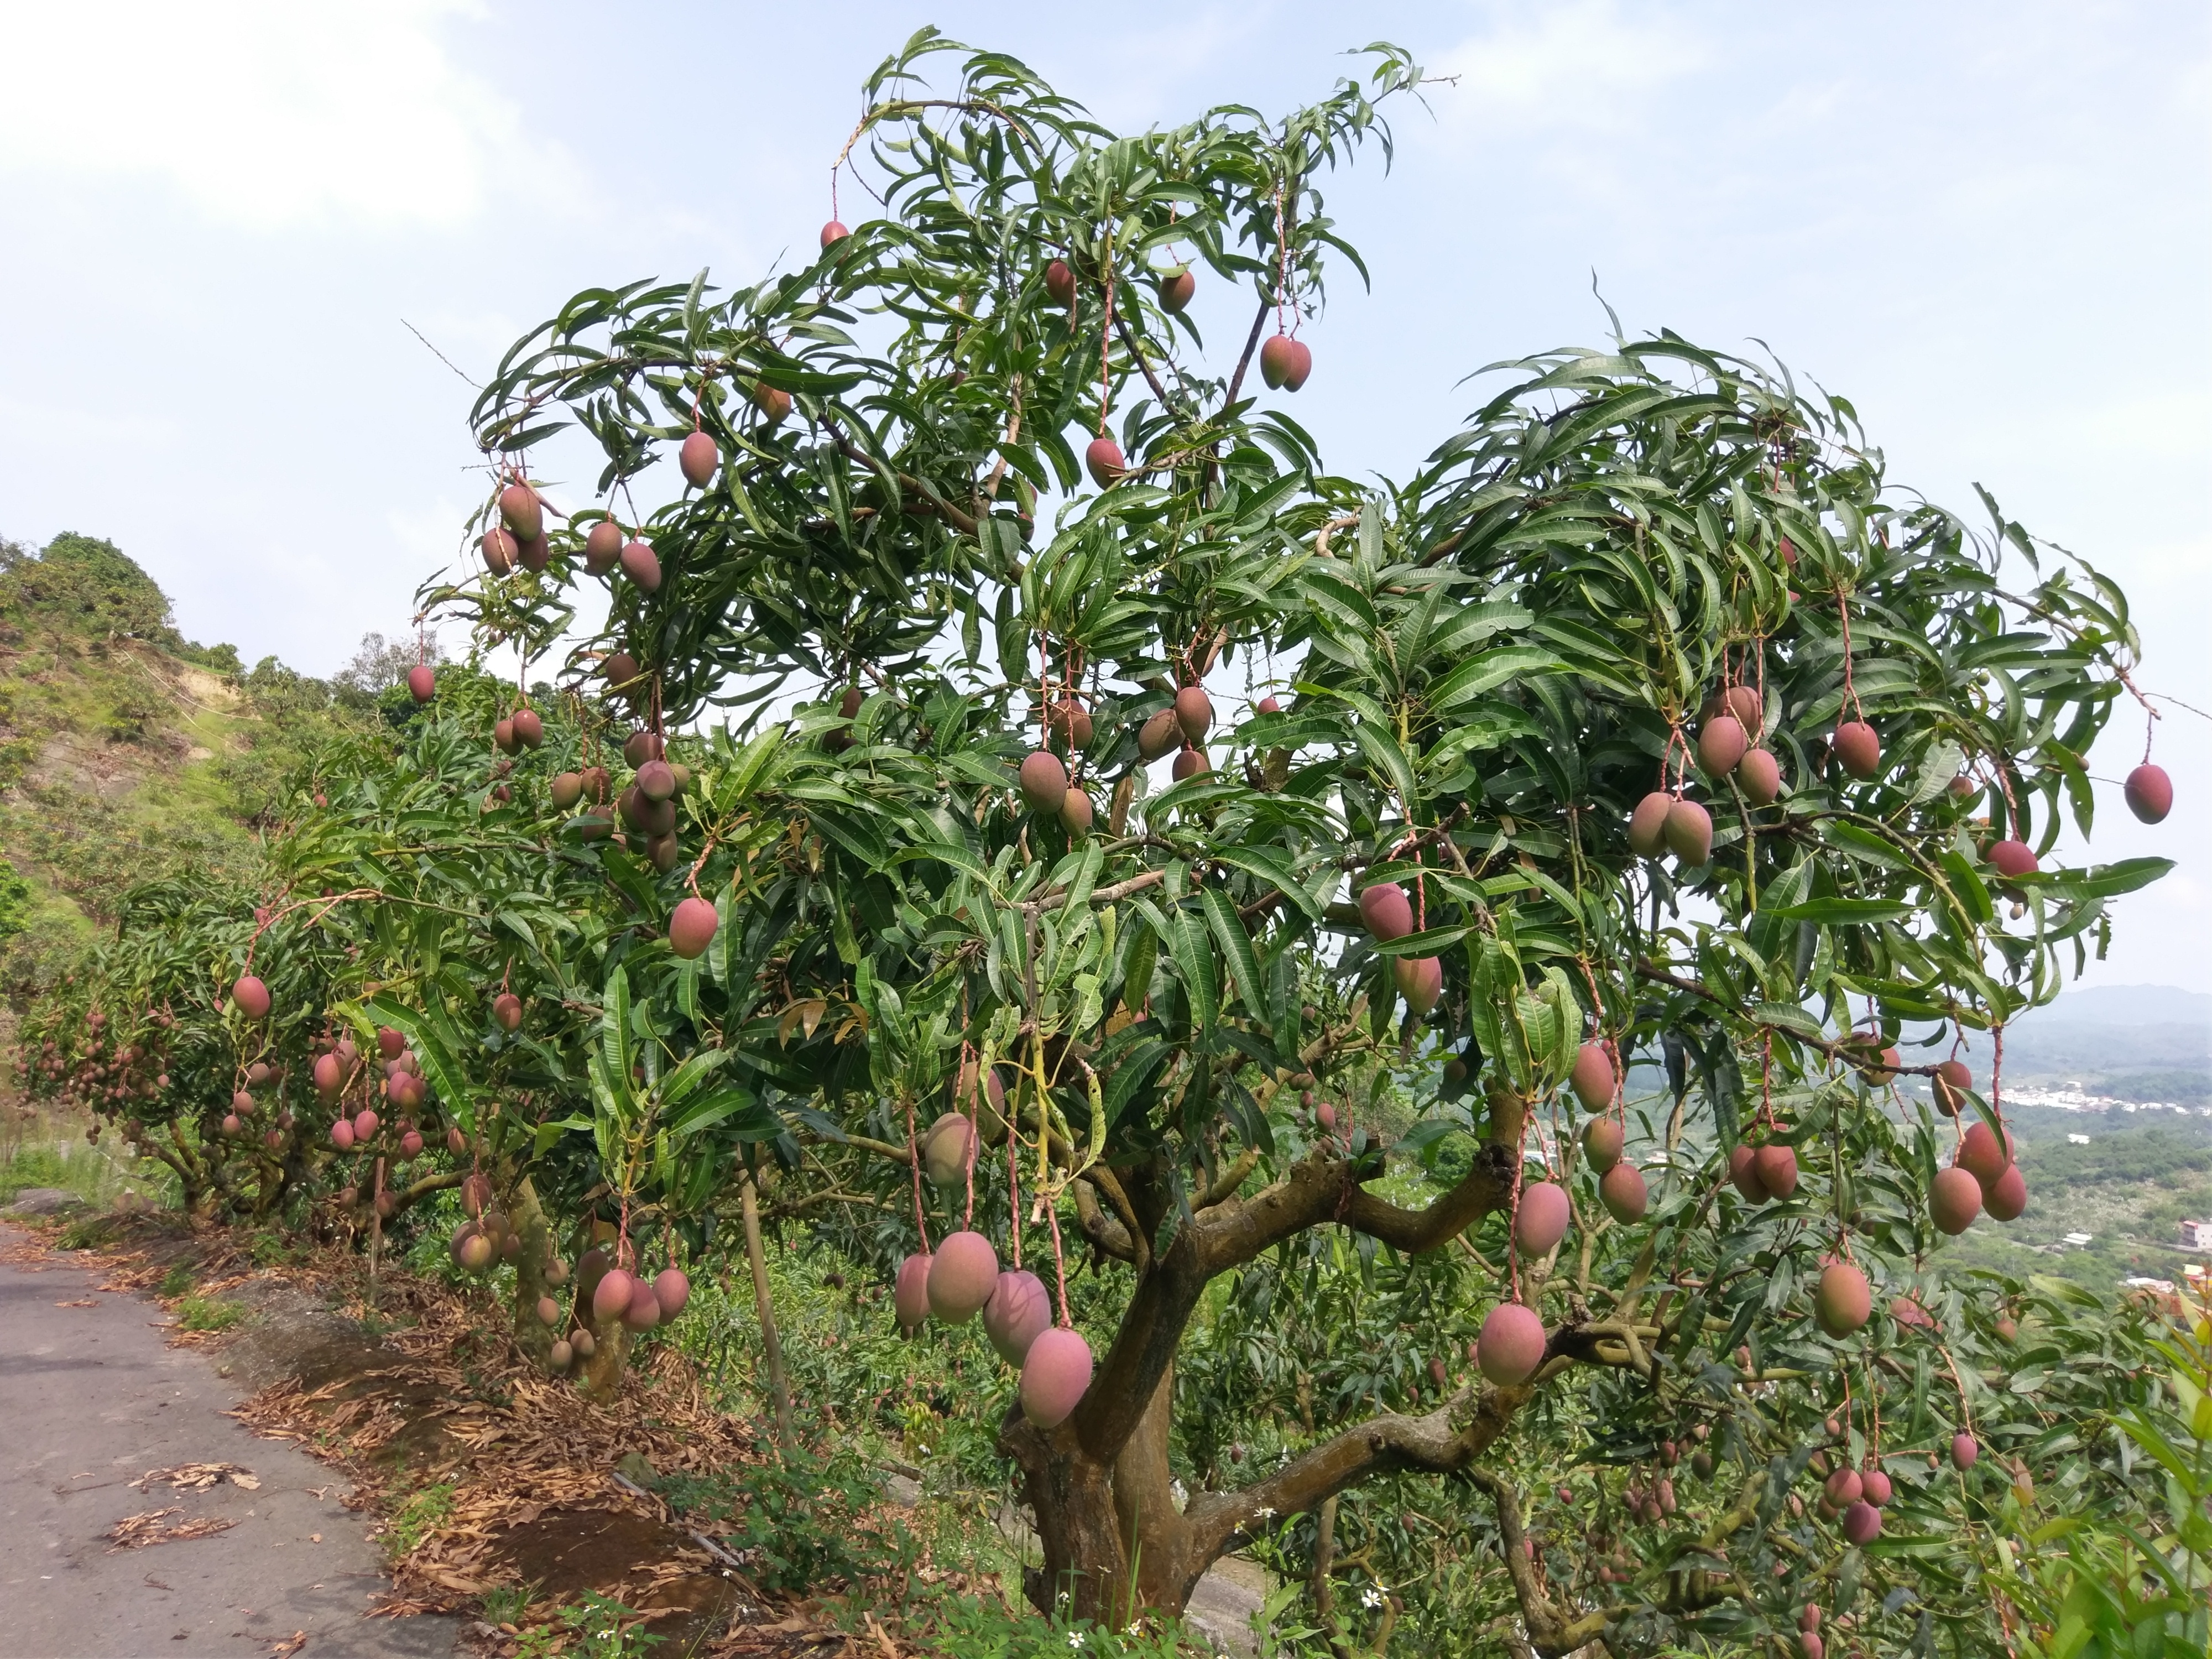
x=797 y=1521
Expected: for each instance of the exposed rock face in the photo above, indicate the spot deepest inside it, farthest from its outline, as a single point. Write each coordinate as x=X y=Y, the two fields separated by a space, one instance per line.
x=46 y=1200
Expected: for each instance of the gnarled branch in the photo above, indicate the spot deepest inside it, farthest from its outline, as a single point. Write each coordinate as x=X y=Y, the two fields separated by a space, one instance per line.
x=1447 y=1440
x=1105 y=1233
x=1322 y=1188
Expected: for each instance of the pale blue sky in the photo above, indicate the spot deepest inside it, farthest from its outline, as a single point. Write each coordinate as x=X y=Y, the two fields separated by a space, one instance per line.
x=1990 y=225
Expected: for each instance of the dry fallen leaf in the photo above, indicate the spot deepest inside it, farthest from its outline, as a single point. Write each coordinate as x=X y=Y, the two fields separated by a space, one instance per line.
x=136 y=1531
x=198 y=1477
x=87 y=1302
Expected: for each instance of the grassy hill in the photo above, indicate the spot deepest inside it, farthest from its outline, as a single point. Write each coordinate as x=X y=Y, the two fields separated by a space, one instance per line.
x=128 y=752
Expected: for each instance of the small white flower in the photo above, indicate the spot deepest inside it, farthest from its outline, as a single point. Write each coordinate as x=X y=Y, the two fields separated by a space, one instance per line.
x=1075 y=1639
x=1371 y=1597
x=1267 y=1512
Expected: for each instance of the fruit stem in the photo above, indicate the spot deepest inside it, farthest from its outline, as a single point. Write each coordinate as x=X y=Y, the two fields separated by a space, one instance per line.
x=1965 y=1412
x=913 y=1161
x=1059 y=1263
x=975 y=1130
x=700 y=863
x=1844 y=610
x=1106 y=356
x=1766 y=1079
x=1513 y=1210
x=1282 y=258
x=1013 y=1174
x=1666 y=761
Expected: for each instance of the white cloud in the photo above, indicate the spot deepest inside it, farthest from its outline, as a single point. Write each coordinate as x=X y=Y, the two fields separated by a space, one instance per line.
x=1584 y=63
x=267 y=113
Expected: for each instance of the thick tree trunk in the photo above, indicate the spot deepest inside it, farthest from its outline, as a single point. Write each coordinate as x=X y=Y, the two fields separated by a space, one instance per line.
x=610 y=1361
x=1114 y=1543
x=1085 y=1570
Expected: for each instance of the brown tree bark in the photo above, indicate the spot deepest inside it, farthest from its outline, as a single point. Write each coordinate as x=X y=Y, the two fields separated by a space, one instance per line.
x=604 y=1370
x=1100 y=1484
x=1318 y=1582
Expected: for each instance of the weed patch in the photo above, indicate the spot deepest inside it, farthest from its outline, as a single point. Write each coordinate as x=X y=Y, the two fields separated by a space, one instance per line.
x=417 y=1518
x=200 y=1313
x=796 y=1521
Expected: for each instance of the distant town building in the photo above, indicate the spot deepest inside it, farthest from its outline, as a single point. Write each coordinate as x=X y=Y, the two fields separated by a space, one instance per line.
x=2196 y=1235
x=2071 y=1097
x=2077 y=1140
x=2078 y=1241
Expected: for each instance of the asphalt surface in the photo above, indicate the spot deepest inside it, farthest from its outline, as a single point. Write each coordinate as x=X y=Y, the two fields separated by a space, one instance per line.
x=92 y=1399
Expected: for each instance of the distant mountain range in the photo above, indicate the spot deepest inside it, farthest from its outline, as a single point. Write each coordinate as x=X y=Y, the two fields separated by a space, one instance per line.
x=2127 y=1005
x=2131 y=1042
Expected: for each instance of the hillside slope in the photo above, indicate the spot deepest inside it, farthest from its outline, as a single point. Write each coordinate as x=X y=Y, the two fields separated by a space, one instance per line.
x=128 y=753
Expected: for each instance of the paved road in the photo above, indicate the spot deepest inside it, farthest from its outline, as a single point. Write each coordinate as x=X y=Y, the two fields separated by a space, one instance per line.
x=91 y=1399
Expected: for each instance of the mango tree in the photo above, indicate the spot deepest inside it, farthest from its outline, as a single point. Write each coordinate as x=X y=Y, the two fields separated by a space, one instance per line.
x=1121 y=805
x=489 y=914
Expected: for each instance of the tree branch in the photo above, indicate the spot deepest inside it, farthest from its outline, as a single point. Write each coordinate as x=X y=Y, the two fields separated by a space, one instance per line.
x=801 y=1206
x=1129 y=342
x=1550 y=1632
x=1226 y=1183
x=1251 y=345
x=929 y=500
x=1120 y=890
x=406 y=1200
x=880 y=1148
x=1446 y=1440
x=1108 y=1234
x=1322 y=1188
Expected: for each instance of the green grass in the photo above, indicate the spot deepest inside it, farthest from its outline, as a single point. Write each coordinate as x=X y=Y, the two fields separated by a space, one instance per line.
x=416 y=1519
x=152 y=758
x=505 y=1604
x=84 y=1170
x=200 y=1313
